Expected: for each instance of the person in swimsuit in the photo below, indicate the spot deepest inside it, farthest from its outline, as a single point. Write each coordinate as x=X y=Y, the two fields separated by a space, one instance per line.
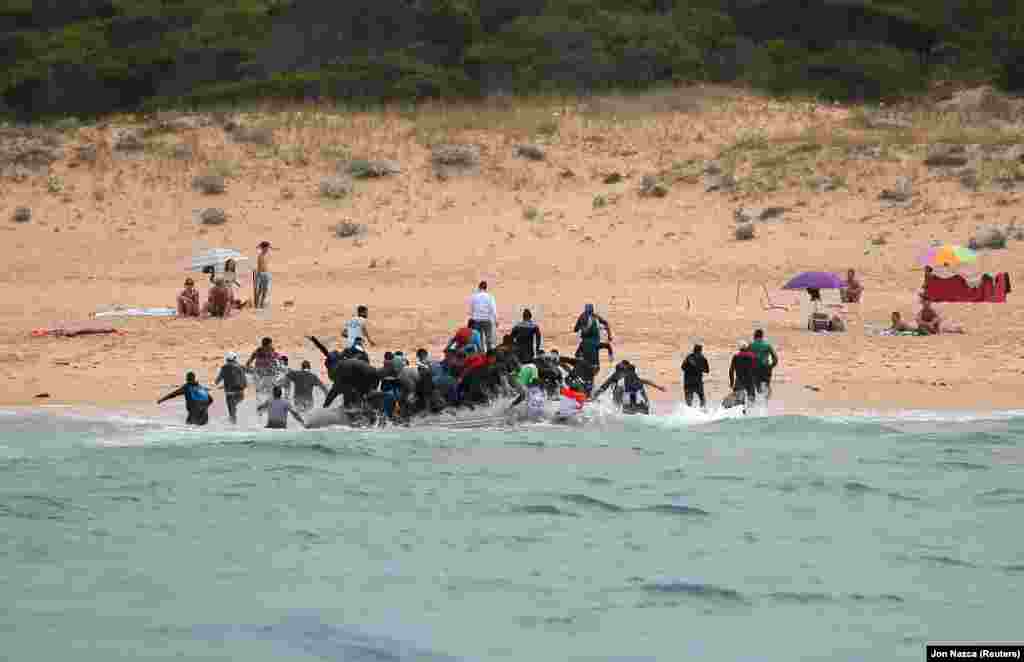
x=928 y=319
x=218 y=302
x=277 y=409
x=262 y=275
x=188 y=300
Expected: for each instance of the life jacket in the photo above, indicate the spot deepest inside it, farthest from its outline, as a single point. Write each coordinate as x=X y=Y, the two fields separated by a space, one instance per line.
x=196 y=393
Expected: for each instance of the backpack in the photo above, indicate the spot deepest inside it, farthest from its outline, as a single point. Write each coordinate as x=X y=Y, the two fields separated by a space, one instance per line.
x=197 y=393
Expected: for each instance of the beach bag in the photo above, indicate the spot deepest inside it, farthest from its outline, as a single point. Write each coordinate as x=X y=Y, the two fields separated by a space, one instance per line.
x=818 y=322
x=197 y=393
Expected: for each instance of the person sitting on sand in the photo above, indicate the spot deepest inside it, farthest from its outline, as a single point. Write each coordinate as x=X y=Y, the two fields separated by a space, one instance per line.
x=898 y=325
x=188 y=300
x=218 y=303
x=231 y=280
x=928 y=319
x=277 y=409
x=853 y=290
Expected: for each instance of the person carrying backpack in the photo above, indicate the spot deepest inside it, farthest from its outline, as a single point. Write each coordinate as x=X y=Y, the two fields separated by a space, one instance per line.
x=197 y=400
x=233 y=376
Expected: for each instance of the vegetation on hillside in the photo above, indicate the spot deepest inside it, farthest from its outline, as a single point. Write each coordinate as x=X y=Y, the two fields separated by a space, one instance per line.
x=121 y=54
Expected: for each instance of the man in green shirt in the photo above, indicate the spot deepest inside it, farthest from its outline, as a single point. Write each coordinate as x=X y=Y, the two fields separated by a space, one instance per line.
x=767 y=359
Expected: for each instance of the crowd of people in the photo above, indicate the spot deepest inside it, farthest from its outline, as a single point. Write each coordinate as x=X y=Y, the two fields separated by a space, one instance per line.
x=473 y=370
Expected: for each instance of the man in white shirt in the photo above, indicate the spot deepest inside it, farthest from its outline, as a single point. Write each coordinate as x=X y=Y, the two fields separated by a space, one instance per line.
x=355 y=328
x=484 y=311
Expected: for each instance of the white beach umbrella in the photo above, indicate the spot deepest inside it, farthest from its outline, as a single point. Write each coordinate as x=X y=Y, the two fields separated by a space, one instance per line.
x=214 y=257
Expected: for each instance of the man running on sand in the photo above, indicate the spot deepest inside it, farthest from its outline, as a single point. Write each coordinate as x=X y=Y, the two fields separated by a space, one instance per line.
x=262 y=275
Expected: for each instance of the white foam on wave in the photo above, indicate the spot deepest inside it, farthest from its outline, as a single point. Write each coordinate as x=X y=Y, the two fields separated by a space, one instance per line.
x=919 y=416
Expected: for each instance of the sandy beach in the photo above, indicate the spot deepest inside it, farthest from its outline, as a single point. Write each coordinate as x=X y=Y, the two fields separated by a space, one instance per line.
x=549 y=234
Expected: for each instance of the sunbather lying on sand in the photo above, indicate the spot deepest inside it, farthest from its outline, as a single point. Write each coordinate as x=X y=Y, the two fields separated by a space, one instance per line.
x=898 y=324
x=930 y=322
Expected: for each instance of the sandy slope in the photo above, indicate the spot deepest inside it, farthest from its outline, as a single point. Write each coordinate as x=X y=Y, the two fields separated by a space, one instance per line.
x=663 y=270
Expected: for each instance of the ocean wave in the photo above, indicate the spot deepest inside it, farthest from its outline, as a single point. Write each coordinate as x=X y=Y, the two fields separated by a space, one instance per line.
x=698 y=589
x=970 y=466
x=946 y=561
x=674 y=509
x=312 y=636
x=591 y=502
x=1001 y=495
x=544 y=509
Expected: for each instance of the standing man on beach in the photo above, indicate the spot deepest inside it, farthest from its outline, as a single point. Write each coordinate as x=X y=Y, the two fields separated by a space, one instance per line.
x=261 y=276
x=355 y=329
x=767 y=359
x=484 y=311
x=695 y=366
x=526 y=338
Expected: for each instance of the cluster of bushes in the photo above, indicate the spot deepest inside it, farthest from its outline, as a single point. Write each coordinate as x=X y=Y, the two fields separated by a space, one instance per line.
x=196 y=52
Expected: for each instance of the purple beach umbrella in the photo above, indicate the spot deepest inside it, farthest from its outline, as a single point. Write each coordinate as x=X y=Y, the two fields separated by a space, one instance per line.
x=818 y=280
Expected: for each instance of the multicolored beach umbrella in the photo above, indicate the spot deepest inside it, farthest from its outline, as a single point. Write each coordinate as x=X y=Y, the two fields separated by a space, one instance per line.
x=947 y=255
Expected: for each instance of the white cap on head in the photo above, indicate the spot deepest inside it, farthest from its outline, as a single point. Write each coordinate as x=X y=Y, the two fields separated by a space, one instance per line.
x=231 y=357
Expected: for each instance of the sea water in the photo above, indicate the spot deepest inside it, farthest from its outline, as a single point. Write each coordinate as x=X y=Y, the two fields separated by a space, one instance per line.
x=669 y=537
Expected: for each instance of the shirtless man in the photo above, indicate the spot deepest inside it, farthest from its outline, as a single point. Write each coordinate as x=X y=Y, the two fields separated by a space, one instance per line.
x=928 y=320
x=853 y=290
x=262 y=275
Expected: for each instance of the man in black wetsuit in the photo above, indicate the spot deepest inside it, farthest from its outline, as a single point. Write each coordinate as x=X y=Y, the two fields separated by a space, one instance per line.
x=694 y=367
x=353 y=378
x=633 y=395
x=197 y=400
x=527 y=338
x=742 y=371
